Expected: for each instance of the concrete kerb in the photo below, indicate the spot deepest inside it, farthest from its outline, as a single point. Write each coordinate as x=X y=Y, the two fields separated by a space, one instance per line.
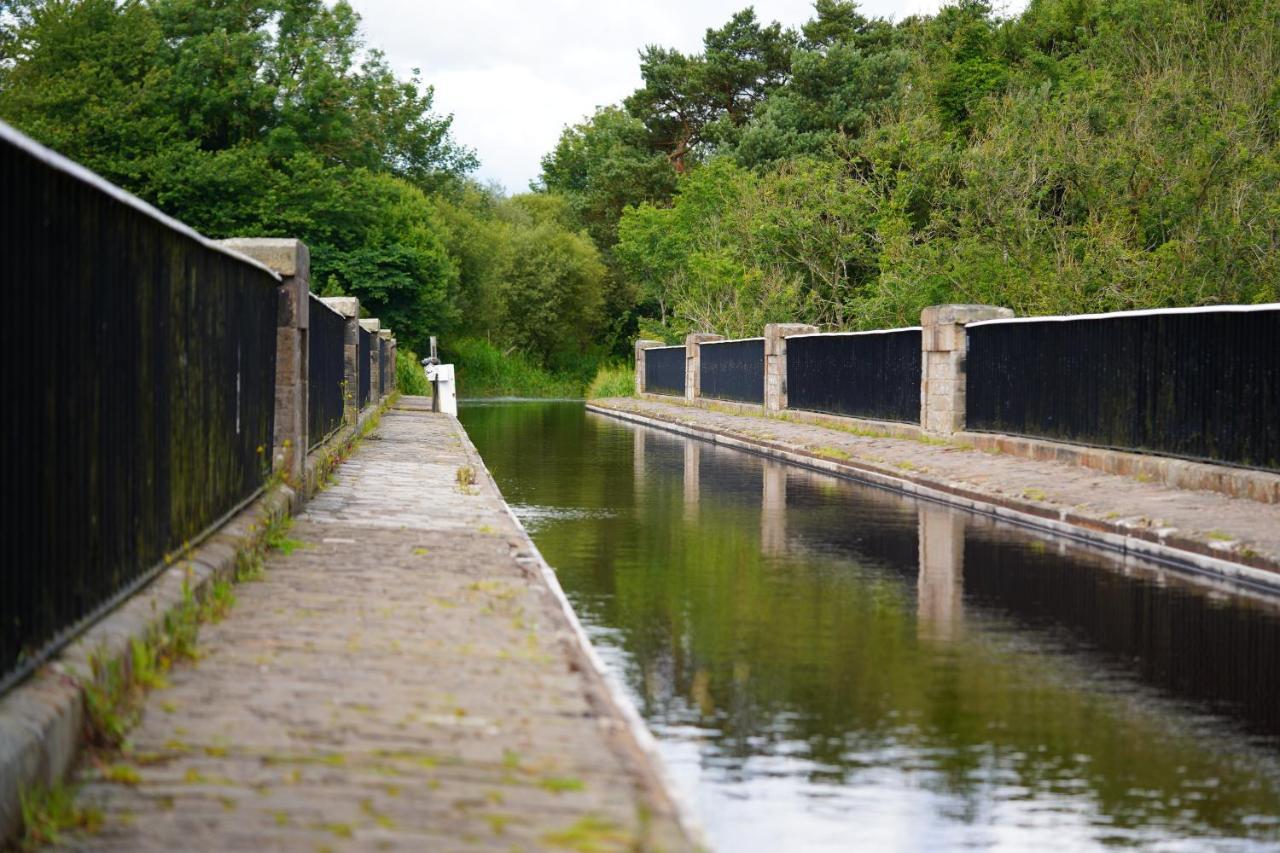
x=1246 y=483
x=43 y=720
x=1176 y=552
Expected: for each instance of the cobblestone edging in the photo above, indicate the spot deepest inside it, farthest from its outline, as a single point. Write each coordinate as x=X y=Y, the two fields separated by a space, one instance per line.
x=42 y=720
x=1194 y=531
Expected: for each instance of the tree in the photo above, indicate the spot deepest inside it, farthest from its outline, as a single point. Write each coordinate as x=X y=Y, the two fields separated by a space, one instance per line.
x=263 y=117
x=689 y=101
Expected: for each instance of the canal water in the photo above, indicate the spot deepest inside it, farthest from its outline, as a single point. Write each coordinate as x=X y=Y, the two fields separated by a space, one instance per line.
x=828 y=665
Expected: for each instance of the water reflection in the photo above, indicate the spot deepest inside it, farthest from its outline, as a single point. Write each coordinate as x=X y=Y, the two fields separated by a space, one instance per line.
x=826 y=663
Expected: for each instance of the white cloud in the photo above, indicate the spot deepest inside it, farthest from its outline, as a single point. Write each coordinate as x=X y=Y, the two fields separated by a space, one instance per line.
x=514 y=73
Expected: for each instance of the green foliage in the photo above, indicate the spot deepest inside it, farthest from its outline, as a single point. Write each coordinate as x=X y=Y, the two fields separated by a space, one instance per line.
x=411 y=379
x=552 y=288
x=1083 y=156
x=485 y=371
x=690 y=102
x=268 y=118
x=612 y=380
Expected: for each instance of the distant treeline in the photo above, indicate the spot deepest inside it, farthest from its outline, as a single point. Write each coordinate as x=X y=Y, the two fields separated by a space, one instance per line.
x=1086 y=155
x=272 y=118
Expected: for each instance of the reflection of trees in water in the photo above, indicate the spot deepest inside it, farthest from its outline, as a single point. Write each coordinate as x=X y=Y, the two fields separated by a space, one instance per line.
x=781 y=619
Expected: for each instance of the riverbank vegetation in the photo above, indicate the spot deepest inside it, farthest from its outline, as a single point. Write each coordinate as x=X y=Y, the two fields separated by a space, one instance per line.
x=1084 y=155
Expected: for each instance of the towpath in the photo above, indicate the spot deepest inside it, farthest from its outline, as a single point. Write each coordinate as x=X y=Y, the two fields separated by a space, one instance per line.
x=1227 y=535
x=407 y=678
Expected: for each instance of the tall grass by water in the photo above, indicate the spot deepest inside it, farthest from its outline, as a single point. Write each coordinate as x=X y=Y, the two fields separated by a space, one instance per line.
x=485 y=371
x=411 y=379
x=612 y=380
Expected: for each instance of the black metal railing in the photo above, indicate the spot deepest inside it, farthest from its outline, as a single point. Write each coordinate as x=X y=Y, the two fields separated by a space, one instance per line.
x=863 y=374
x=326 y=371
x=384 y=381
x=733 y=370
x=1200 y=384
x=366 y=365
x=140 y=406
x=664 y=371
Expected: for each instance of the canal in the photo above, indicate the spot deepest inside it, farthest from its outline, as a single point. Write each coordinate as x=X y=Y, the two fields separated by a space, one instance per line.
x=827 y=664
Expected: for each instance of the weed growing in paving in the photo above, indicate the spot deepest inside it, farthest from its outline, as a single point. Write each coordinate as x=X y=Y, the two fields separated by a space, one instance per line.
x=48 y=813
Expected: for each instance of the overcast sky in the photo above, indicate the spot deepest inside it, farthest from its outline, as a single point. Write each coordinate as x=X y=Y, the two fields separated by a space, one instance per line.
x=514 y=72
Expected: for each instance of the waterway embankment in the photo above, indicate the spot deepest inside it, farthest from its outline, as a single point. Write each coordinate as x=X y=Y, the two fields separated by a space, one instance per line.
x=1196 y=531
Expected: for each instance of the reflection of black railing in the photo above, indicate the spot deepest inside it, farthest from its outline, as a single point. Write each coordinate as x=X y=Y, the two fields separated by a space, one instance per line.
x=864 y=374
x=664 y=371
x=1201 y=384
x=733 y=370
x=366 y=356
x=325 y=371
x=1193 y=646
x=383 y=367
x=143 y=411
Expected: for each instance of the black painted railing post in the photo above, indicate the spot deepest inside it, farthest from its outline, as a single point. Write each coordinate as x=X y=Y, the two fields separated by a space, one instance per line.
x=394 y=373
x=693 y=362
x=775 y=362
x=387 y=363
x=349 y=308
x=943 y=347
x=641 y=346
x=292 y=261
x=373 y=326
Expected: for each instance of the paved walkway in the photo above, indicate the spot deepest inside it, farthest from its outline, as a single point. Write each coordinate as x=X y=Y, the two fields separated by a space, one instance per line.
x=407 y=679
x=1232 y=529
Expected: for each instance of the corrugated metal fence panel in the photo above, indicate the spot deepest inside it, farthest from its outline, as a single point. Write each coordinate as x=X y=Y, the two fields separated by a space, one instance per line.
x=733 y=370
x=366 y=357
x=326 y=371
x=664 y=371
x=1201 y=385
x=865 y=375
x=140 y=397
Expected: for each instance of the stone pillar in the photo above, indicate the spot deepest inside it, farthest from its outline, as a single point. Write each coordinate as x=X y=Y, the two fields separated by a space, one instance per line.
x=940 y=588
x=373 y=326
x=942 y=379
x=349 y=308
x=641 y=346
x=775 y=362
x=693 y=362
x=773 y=508
x=390 y=379
x=292 y=261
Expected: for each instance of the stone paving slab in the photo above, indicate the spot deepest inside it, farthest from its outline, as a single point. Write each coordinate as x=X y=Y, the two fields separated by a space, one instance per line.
x=1236 y=531
x=407 y=679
